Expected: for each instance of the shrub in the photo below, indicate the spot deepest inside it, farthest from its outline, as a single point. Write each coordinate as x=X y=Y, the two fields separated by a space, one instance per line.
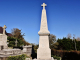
x=66 y=55
x=55 y=57
x=19 y=57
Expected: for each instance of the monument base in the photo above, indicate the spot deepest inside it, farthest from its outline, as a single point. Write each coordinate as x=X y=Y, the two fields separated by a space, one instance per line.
x=43 y=53
x=46 y=59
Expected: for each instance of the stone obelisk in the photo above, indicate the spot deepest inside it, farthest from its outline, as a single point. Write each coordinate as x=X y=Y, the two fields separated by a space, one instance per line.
x=44 y=52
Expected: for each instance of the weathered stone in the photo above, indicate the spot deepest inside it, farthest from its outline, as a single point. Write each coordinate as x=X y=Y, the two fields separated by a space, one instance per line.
x=44 y=52
x=4 y=29
x=3 y=42
x=27 y=49
x=4 y=51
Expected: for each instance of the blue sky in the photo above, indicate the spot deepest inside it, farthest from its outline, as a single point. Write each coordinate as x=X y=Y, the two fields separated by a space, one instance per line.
x=63 y=17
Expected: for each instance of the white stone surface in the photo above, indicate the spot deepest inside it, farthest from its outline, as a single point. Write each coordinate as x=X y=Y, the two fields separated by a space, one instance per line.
x=44 y=26
x=24 y=49
x=3 y=41
x=27 y=50
x=4 y=29
x=44 y=52
x=10 y=51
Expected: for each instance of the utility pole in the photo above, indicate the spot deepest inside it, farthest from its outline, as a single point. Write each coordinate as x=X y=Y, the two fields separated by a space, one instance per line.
x=74 y=42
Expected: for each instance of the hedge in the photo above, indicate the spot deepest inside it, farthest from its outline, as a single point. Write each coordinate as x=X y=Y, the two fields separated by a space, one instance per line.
x=66 y=55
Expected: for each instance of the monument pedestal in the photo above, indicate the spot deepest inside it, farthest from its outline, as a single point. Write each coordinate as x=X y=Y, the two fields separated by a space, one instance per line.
x=3 y=42
x=43 y=53
x=46 y=59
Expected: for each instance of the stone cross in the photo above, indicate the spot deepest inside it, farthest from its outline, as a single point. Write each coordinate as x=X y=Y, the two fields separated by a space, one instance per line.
x=4 y=29
x=43 y=5
x=16 y=43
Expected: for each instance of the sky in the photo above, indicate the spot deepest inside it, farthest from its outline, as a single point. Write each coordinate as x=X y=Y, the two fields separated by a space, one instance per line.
x=63 y=17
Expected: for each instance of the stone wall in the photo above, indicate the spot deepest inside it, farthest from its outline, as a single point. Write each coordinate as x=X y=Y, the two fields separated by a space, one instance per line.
x=9 y=52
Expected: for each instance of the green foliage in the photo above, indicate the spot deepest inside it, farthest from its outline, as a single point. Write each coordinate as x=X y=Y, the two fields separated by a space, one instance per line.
x=65 y=44
x=66 y=55
x=56 y=57
x=19 y=57
x=12 y=40
x=16 y=33
x=68 y=44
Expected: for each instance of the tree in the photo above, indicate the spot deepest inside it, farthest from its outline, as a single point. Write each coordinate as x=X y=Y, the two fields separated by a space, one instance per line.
x=65 y=44
x=69 y=35
x=52 y=41
x=18 y=35
x=12 y=40
x=78 y=39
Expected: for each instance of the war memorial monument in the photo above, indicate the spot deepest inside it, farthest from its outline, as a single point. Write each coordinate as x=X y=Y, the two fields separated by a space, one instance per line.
x=44 y=52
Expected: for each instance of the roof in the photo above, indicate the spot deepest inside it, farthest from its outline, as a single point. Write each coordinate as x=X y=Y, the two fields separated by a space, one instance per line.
x=1 y=30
